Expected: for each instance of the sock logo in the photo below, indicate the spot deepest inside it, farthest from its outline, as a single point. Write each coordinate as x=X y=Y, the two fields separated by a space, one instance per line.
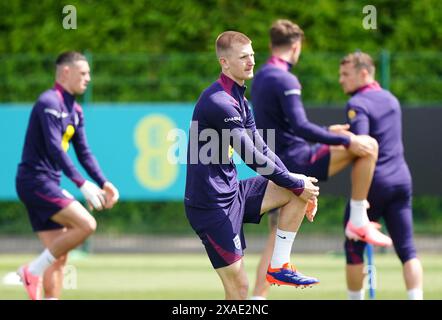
x=282 y=237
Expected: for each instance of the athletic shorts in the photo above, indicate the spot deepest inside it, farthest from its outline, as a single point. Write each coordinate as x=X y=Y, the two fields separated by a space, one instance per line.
x=221 y=230
x=316 y=165
x=42 y=199
x=393 y=204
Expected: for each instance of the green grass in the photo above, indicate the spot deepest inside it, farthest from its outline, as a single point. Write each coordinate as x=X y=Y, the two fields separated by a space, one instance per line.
x=190 y=276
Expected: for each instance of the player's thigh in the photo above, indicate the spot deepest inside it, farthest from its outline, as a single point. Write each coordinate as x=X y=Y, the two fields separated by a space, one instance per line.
x=233 y=275
x=75 y=216
x=275 y=197
x=340 y=158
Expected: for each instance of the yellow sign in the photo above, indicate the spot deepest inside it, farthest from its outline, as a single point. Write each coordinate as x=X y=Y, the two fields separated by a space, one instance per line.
x=152 y=169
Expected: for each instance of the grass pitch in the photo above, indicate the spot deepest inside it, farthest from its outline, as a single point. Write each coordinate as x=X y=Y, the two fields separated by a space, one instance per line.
x=190 y=276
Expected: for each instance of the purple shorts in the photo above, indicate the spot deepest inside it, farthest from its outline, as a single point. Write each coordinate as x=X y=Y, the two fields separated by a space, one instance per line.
x=317 y=164
x=393 y=204
x=221 y=230
x=42 y=199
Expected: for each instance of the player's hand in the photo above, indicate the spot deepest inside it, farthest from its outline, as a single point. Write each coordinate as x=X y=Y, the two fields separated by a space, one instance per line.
x=310 y=190
x=111 y=193
x=340 y=129
x=93 y=195
x=360 y=146
x=312 y=207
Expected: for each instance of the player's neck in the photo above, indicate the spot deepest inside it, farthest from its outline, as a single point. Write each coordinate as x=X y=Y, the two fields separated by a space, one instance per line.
x=283 y=55
x=64 y=86
x=229 y=75
x=365 y=83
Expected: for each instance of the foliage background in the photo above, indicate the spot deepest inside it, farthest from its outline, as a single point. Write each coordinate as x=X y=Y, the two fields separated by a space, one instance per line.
x=163 y=51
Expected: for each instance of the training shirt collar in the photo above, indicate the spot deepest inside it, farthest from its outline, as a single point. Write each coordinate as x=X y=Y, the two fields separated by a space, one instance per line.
x=230 y=86
x=280 y=63
x=368 y=87
x=67 y=98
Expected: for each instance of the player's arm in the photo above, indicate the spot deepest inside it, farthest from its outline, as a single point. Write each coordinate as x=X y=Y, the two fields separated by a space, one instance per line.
x=84 y=153
x=262 y=164
x=340 y=129
x=267 y=167
x=90 y=164
x=260 y=143
x=357 y=118
x=308 y=181
x=52 y=134
x=359 y=121
x=293 y=108
x=254 y=158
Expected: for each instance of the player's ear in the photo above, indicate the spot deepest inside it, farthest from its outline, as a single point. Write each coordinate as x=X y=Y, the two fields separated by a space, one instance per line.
x=364 y=73
x=65 y=70
x=223 y=62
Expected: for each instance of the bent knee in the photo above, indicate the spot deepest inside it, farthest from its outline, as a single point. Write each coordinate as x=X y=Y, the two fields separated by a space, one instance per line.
x=374 y=146
x=92 y=225
x=297 y=200
x=275 y=197
x=89 y=225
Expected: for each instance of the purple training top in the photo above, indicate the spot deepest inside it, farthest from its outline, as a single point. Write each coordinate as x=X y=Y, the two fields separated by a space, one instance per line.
x=277 y=104
x=55 y=120
x=376 y=112
x=222 y=107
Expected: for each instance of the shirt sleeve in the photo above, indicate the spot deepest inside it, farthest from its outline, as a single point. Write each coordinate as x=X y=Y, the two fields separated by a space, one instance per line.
x=228 y=117
x=52 y=133
x=290 y=100
x=260 y=143
x=84 y=154
x=358 y=119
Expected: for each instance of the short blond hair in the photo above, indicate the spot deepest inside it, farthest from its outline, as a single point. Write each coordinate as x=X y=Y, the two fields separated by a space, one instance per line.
x=226 y=39
x=360 y=60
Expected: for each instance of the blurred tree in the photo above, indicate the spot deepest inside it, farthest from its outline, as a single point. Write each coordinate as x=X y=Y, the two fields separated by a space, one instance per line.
x=159 y=35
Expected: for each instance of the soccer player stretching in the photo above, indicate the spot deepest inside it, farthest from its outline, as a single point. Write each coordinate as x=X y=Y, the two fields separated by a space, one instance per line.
x=216 y=202
x=276 y=97
x=374 y=111
x=60 y=221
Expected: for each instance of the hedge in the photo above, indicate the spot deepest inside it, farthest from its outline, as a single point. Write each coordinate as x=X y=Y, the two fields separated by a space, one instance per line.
x=169 y=217
x=163 y=50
